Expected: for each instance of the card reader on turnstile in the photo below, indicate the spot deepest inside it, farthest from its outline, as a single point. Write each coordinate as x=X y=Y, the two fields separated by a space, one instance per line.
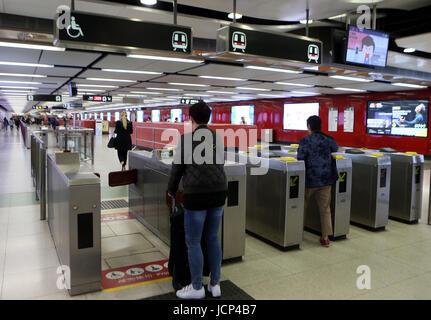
x=371 y=177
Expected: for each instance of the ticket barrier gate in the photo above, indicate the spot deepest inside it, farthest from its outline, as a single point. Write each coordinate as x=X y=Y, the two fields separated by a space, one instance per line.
x=371 y=179
x=407 y=172
x=74 y=221
x=147 y=199
x=275 y=199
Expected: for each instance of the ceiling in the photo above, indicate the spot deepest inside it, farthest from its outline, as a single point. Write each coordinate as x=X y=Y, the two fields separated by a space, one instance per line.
x=164 y=88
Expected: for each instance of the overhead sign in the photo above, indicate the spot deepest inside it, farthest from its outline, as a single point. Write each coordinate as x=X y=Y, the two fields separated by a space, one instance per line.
x=97 y=98
x=58 y=108
x=44 y=97
x=270 y=44
x=39 y=107
x=108 y=32
x=189 y=101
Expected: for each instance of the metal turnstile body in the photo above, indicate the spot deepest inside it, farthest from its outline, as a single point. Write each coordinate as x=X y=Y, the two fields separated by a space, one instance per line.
x=147 y=200
x=341 y=198
x=74 y=221
x=407 y=172
x=275 y=201
x=371 y=179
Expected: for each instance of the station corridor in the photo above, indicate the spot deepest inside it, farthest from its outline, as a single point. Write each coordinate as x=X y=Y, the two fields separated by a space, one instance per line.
x=398 y=258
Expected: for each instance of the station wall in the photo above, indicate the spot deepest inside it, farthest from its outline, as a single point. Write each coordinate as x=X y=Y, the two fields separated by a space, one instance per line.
x=269 y=114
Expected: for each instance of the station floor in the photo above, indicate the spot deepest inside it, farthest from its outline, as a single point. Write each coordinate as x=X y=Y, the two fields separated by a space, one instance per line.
x=398 y=258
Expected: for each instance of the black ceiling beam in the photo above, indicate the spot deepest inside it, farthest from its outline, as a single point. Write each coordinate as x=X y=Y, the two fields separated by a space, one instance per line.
x=25 y=23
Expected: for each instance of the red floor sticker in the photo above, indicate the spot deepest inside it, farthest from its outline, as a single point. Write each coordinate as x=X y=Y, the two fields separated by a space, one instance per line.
x=108 y=217
x=133 y=276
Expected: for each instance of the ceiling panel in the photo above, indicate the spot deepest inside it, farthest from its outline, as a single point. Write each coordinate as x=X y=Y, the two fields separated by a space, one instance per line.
x=122 y=62
x=19 y=55
x=372 y=86
x=197 y=80
x=16 y=69
x=68 y=58
x=220 y=70
x=57 y=71
x=117 y=75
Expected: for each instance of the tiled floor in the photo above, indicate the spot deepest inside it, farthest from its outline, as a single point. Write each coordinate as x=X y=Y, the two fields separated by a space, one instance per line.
x=398 y=258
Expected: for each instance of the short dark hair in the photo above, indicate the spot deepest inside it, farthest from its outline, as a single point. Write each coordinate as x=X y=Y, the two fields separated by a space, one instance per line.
x=368 y=41
x=200 y=112
x=315 y=123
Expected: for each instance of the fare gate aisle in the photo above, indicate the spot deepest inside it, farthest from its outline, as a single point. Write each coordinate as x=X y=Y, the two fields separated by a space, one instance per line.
x=398 y=257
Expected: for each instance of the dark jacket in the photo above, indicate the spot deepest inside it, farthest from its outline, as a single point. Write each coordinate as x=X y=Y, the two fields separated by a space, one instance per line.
x=204 y=183
x=124 y=141
x=320 y=168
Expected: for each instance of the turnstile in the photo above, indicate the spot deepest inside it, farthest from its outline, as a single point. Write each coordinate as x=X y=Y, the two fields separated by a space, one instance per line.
x=407 y=171
x=275 y=200
x=371 y=179
x=341 y=197
x=147 y=199
x=74 y=221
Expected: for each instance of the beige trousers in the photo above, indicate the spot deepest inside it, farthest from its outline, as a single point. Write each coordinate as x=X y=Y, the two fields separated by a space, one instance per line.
x=323 y=199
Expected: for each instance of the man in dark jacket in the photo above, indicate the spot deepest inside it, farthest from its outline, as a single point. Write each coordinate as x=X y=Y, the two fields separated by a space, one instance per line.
x=320 y=172
x=199 y=161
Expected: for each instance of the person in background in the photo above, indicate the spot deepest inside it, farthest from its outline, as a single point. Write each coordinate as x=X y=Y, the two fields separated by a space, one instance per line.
x=149 y=119
x=320 y=172
x=205 y=192
x=243 y=120
x=419 y=118
x=123 y=129
x=5 y=123
x=176 y=120
x=11 y=123
x=17 y=122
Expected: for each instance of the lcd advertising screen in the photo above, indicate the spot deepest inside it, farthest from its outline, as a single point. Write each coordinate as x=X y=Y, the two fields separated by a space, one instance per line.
x=177 y=115
x=140 y=116
x=242 y=115
x=367 y=47
x=398 y=117
x=296 y=114
x=155 y=115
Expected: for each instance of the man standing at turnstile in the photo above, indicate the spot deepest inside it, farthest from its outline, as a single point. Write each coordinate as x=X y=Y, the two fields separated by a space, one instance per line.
x=320 y=172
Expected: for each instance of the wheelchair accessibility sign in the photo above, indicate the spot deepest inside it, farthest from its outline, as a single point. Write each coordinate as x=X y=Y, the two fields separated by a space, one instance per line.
x=74 y=30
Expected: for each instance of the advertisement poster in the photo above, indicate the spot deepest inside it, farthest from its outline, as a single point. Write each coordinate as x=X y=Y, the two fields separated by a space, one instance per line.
x=349 y=119
x=296 y=114
x=333 y=119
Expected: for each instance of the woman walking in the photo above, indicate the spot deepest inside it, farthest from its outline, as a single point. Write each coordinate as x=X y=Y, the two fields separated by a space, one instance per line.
x=123 y=129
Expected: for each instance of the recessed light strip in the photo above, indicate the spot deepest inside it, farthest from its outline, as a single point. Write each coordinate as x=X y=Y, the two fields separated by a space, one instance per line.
x=25 y=64
x=188 y=84
x=295 y=84
x=409 y=85
x=351 y=78
x=272 y=69
x=131 y=71
x=5 y=74
x=146 y=57
x=350 y=89
x=252 y=89
x=222 y=78
x=110 y=80
x=29 y=46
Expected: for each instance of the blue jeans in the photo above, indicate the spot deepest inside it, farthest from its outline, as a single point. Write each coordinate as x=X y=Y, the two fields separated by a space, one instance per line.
x=194 y=221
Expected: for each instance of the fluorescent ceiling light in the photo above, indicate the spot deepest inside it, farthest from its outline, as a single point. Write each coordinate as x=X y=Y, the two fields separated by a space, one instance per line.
x=222 y=92
x=304 y=21
x=305 y=92
x=197 y=95
x=131 y=95
x=295 y=84
x=237 y=16
x=17 y=87
x=22 y=75
x=409 y=85
x=338 y=16
x=18 y=82
x=140 y=56
x=164 y=89
x=145 y=92
x=90 y=90
x=29 y=46
x=350 y=89
x=17 y=91
x=351 y=78
x=188 y=84
x=272 y=69
x=271 y=95
x=253 y=89
x=95 y=86
x=25 y=64
x=222 y=78
x=131 y=71
x=148 y=2
x=111 y=80
x=409 y=50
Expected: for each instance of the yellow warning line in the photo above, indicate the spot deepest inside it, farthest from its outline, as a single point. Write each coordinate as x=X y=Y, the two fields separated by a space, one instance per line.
x=134 y=285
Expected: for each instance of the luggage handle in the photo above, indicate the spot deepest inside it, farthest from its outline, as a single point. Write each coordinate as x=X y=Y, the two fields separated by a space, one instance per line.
x=171 y=201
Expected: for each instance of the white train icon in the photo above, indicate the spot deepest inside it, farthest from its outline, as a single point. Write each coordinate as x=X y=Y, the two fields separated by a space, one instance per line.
x=313 y=53
x=239 y=41
x=179 y=41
